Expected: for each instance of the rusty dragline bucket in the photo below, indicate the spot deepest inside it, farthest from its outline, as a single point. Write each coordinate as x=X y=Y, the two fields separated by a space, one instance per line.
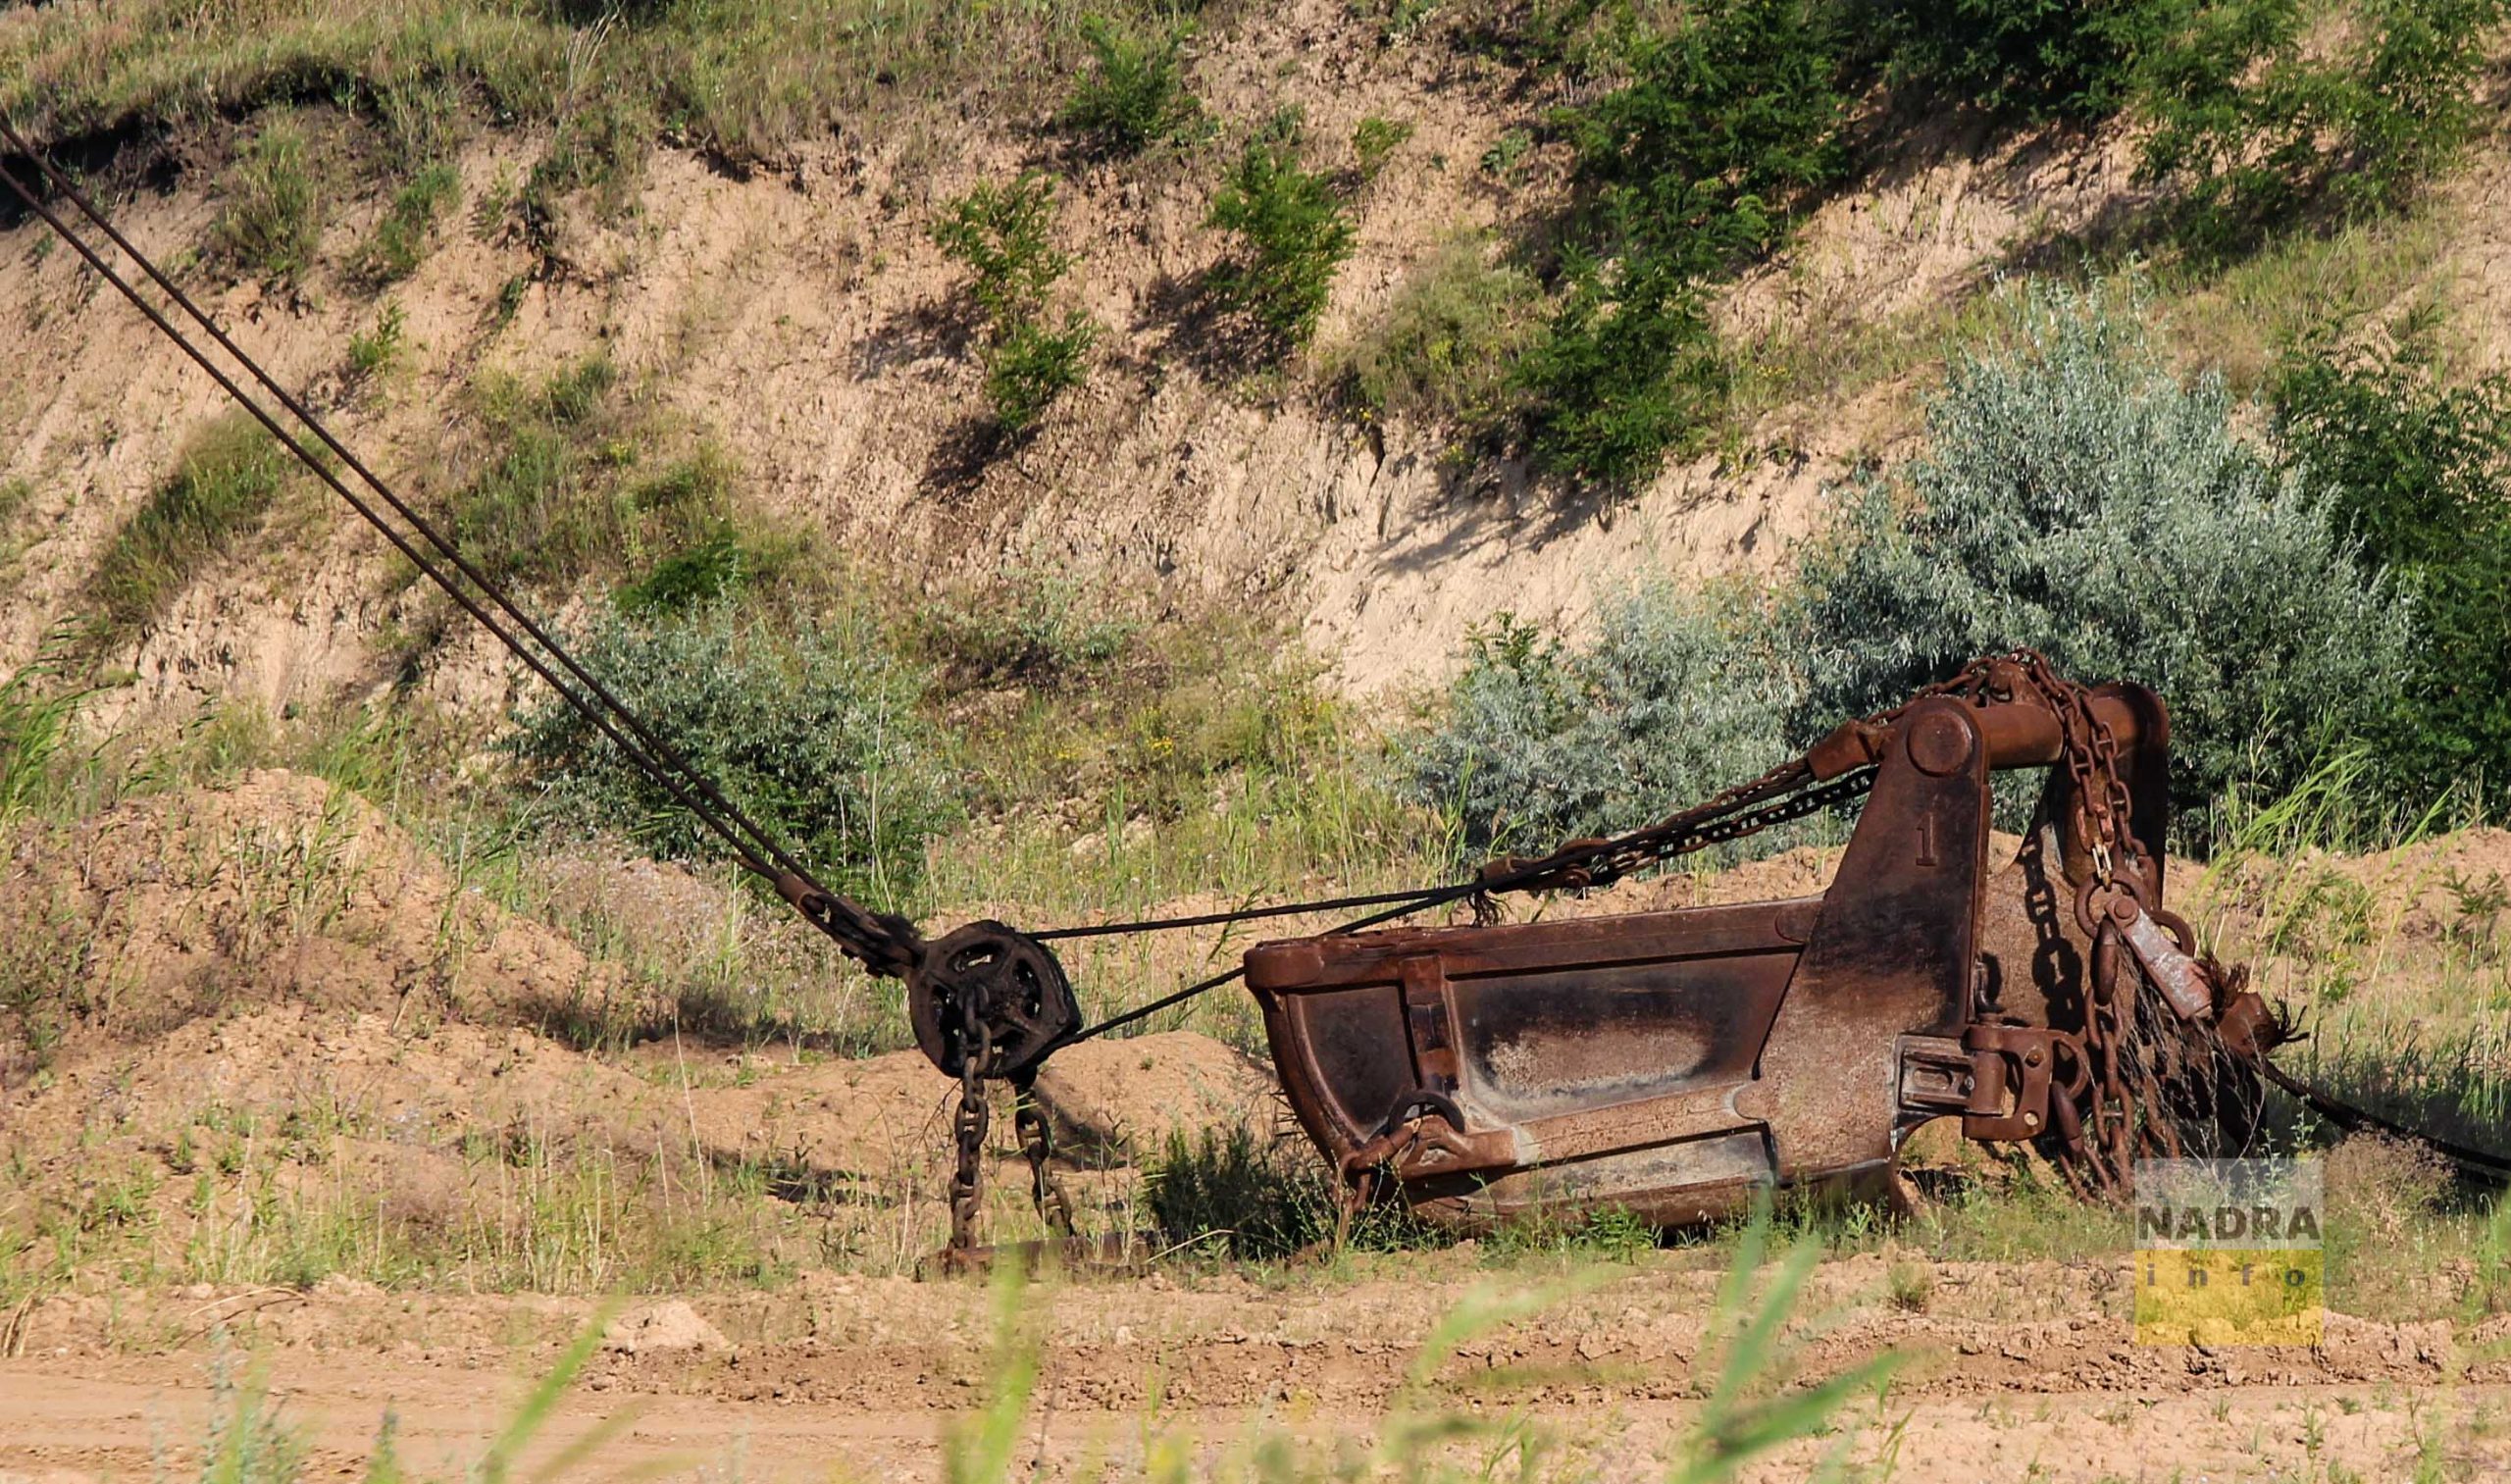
x=1671 y=1062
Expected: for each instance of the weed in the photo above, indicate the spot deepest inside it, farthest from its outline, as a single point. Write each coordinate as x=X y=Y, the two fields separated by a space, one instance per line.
x=373 y=353
x=1293 y=236
x=1227 y=1193
x=271 y=223
x=1445 y=347
x=1135 y=95
x=1911 y=1286
x=400 y=240
x=224 y=483
x=1037 y=625
x=553 y=500
x=38 y=712
x=249 y=1442
x=1374 y=141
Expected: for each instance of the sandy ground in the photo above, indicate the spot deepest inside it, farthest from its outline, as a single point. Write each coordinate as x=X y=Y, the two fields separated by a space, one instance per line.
x=2011 y=1373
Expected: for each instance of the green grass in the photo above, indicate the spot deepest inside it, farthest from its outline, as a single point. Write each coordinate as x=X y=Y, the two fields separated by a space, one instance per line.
x=224 y=483
x=271 y=225
x=739 y=78
x=1443 y=348
x=561 y=489
x=402 y=238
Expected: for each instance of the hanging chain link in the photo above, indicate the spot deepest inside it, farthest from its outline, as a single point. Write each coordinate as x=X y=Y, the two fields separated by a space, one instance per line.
x=1038 y=1145
x=969 y=1122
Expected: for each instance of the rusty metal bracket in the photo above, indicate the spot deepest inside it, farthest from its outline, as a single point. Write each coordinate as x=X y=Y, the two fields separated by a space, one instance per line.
x=2014 y=1069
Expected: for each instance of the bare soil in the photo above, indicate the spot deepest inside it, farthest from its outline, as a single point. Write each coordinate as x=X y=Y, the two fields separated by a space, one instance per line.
x=2013 y=1372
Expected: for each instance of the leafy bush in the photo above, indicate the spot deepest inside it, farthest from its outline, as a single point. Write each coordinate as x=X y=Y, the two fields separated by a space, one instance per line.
x=719 y=564
x=1029 y=366
x=1534 y=742
x=1691 y=168
x=812 y=730
x=2076 y=497
x=1004 y=234
x=1136 y=94
x=1727 y=120
x=271 y=223
x=1445 y=347
x=2264 y=107
x=2037 y=59
x=223 y=485
x=1628 y=371
x=1293 y=236
x=2421 y=479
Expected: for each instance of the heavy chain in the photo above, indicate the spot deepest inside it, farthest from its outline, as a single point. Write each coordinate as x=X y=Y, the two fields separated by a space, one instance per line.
x=1785 y=792
x=974 y=1118
x=1037 y=1145
x=968 y=1124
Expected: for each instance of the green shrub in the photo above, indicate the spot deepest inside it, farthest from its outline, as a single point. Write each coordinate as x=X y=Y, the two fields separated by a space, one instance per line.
x=1029 y=366
x=1693 y=167
x=1628 y=371
x=2264 y=108
x=2032 y=59
x=1374 y=141
x=1292 y=234
x=272 y=222
x=1445 y=347
x=1135 y=95
x=1727 y=120
x=1004 y=235
x=717 y=566
x=811 y=728
x=1535 y=742
x=2421 y=479
x=376 y=350
x=2076 y=497
x=400 y=240
x=223 y=485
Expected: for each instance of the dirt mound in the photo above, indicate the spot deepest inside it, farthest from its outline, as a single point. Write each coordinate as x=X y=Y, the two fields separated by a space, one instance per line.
x=1123 y=1099
x=667 y=1328
x=279 y=887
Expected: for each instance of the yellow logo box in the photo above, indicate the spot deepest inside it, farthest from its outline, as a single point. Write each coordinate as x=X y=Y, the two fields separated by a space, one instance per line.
x=2218 y=1296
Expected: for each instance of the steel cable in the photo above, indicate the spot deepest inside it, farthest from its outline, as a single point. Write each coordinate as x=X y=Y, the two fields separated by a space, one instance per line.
x=863 y=934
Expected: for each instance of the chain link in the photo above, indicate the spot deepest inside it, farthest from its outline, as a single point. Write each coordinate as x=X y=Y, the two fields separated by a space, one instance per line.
x=968 y=1124
x=1038 y=1145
